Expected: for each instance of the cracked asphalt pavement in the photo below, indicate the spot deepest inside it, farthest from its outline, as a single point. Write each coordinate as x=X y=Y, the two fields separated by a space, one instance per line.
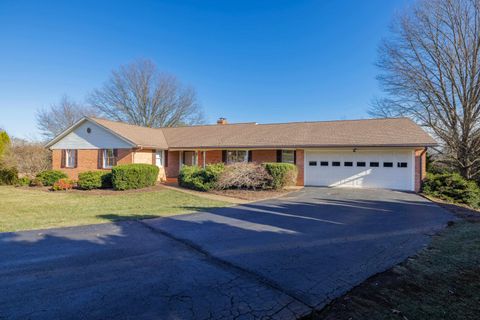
x=275 y=259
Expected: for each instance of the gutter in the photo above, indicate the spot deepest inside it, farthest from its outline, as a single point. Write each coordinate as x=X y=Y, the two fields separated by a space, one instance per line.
x=273 y=147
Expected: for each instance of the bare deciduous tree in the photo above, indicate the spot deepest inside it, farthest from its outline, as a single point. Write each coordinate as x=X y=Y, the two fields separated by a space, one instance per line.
x=431 y=72
x=29 y=157
x=139 y=94
x=58 y=117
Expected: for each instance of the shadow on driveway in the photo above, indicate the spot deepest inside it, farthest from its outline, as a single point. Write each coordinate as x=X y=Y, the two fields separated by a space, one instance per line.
x=272 y=259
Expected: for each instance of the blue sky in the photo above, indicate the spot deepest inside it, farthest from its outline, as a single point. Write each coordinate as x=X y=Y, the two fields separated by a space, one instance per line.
x=263 y=61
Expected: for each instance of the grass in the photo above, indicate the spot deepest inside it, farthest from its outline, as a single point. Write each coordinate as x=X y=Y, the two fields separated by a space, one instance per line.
x=30 y=208
x=441 y=282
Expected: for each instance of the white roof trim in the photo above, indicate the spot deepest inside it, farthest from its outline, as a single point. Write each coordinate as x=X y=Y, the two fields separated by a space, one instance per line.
x=77 y=124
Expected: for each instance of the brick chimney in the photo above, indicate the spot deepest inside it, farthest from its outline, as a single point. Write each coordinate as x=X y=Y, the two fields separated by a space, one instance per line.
x=222 y=121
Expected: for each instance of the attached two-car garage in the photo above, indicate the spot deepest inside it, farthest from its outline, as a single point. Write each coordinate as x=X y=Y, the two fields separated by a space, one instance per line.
x=361 y=168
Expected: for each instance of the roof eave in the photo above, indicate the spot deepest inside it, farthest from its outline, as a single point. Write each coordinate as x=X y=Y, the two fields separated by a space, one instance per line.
x=307 y=146
x=78 y=123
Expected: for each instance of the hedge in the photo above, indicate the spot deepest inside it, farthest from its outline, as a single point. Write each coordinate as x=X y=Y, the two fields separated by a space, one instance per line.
x=452 y=187
x=283 y=174
x=8 y=176
x=89 y=180
x=49 y=177
x=134 y=176
x=196 y=178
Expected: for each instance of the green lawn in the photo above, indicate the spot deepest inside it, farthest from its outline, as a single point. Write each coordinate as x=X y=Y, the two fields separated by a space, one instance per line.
x=30 y=208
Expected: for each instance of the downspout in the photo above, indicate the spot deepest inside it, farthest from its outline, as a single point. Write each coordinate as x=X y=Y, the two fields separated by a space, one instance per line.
x=421 y=166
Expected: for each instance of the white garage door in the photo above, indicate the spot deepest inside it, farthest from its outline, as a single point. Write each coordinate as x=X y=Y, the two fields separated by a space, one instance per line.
x=360 y=169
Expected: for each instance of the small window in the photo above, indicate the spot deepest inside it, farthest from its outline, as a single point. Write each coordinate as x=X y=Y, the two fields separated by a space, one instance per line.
x=109 y=159
x=312 y=163
x=388 y=164
x=324 y=163
x=402 y=164
x=361 y=164
x=374 y=164
x=288 y=156
x=348 y=164
x=70 y=158
x=335 y=163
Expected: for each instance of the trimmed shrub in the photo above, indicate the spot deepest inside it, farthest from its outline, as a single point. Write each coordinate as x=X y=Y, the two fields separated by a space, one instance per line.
x=134 y=176
x=452 y=187
x=192 y=177
x=196 y=178
x=23 y=181
x=213 y=172
x=244 y=175
x=8 y=176
x=89 y=180
x=283 y=174
x=63 y=184
x=49 y=177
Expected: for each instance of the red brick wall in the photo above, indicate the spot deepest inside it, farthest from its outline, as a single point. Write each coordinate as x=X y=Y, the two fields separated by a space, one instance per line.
x=173 y=163
x=300 y=162
x=261 y=156
x=420 y=168
x=215 y=156
x=87 y=161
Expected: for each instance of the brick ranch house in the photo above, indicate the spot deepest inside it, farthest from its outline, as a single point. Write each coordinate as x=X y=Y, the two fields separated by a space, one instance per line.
x=374 y=153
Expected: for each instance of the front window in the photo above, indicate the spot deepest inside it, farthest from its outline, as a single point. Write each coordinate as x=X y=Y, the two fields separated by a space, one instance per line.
x=237 y=156
x=70 y=158
x=190 y=158
x=159 y=158
x=288 y=156
x=109 y=158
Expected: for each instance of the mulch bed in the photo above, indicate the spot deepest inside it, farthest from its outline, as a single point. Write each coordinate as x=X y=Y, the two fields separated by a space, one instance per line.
x=251 y=195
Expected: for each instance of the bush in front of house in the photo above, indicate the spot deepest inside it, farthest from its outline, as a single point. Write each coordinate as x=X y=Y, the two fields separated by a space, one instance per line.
x=23 y=182
x=452 y=187
x=192 y=177
x=213 y=172
x=8 y=176
x=63 y=185
x=244 y=175
x=283 y=174
x=89 y=180
x=134 y=176
x=196 y=178
x=49 y=177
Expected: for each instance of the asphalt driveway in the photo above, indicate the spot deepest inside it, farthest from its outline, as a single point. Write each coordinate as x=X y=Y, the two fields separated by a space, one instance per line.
x=274 y=259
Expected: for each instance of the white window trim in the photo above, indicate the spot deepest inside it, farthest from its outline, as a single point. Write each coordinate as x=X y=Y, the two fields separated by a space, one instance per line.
x=293 y=155
x=104 y=159
x=245 y=159
x=162 y=157
x=70 y=158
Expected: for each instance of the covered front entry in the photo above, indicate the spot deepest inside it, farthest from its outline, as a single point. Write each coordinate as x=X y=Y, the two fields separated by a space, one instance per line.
x=356 y=168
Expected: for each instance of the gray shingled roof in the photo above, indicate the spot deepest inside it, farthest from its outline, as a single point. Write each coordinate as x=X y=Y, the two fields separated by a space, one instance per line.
x=396 y=132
